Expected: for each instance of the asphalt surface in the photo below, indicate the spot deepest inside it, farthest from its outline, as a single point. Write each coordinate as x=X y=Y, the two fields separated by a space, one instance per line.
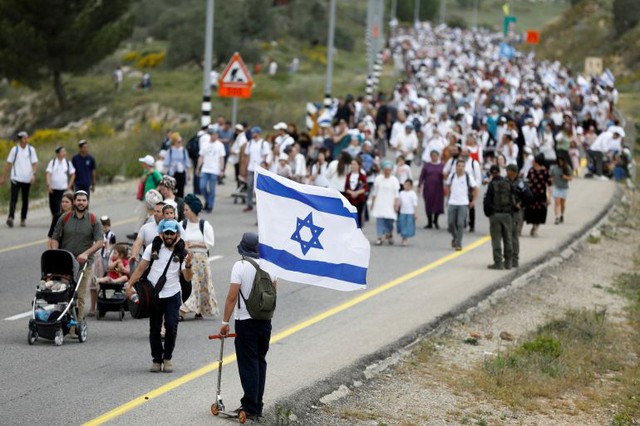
x=317 y=332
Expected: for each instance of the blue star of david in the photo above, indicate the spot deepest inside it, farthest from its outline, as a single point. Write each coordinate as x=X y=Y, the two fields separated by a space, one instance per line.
x=315 y=233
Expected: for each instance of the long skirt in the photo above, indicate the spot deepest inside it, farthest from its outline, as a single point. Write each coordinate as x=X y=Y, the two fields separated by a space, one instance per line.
x=406 y=225
x=203 y=296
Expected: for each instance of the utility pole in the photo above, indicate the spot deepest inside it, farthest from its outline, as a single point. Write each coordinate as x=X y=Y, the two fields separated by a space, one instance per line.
x=475 y=14
x=330 y=42
x=443 y=11
x=208 y=56
x=416 y=13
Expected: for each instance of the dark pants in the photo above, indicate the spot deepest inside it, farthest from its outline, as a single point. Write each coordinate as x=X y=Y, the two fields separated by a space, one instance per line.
x=181 y=181
x=597 y=159
x=196 y=180
x=55 y=199
x=252 y=345
x=516 y=227
x=169 y=309
x=82 y=187
x=472 y=219
x=19 y=187
x=500 y=228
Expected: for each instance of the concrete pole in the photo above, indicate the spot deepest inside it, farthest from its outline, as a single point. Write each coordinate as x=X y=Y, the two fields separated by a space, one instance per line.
x=475 y=14
x=416 y=13
x=208 y=56
x=443 y=11
x=330 y=43
x=369 y=38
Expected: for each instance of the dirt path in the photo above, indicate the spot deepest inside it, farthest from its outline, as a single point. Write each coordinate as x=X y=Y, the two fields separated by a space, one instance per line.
x=431 y=385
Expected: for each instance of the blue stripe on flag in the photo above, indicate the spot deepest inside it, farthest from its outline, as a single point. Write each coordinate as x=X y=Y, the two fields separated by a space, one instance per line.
x=342 y=271
x=332 y=205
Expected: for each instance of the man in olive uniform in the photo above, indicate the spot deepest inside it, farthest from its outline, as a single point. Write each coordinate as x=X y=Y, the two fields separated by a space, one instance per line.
x=522 y=195
x=498 y=207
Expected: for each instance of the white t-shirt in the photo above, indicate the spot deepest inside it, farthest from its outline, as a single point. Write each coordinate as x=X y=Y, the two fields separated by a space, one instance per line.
x=321 y=174
x=385 y=191
x=22 y=160
x=243 y=273
x=299 y=166
x=60 y=172
x=172 y=286
x=148 y=232
x=192 y=233
x=257 y=150
x=211 y=153
x=458 y=190
x=408 y=202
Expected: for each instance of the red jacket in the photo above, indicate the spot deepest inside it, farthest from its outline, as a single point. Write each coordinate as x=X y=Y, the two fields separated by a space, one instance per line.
x=362 y=184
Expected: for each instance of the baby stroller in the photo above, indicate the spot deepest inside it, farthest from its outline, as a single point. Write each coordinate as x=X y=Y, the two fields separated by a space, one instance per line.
x=111 y=295
x=240 y=193
x=55 y=305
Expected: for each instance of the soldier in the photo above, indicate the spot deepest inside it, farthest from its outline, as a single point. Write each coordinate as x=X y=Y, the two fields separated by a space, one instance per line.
x=522 y=197
x=498 y=207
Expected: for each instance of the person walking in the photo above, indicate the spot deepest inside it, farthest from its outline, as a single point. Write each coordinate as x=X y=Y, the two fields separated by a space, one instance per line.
x=22 y=161
x=209 y=167
x=149 y=180
x=258 y=150
x=539 y=181
x=385 y=203
x=252 y=335
x=561 y=173
x=66 y=205
x=199 y=238
x=522 y=198
x=167 y=305
x=60 y=175
x=85 y=166
x=356 y=188
x=177 y=163
x=431 y=185
x=498 y=207
x=462 y=191
x=80 y=233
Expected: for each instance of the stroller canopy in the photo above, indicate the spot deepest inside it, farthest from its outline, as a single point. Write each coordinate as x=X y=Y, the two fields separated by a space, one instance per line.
x=59 y=262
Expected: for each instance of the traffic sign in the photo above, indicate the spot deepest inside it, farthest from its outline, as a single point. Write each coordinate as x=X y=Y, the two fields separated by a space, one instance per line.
x=533 y=37
x=235 y=81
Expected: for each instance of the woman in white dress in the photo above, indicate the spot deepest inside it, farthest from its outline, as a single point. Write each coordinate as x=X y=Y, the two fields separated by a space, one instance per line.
x=384 y=203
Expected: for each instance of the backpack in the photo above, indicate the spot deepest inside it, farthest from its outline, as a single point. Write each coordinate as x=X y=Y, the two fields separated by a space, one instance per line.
x=503 y=199
x=15 y=157
x=200 y=224
x=261 y=302
x=193 y=147
x=52 y=162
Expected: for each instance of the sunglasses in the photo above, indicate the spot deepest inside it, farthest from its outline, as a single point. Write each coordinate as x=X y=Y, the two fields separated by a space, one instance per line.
x=169 y=233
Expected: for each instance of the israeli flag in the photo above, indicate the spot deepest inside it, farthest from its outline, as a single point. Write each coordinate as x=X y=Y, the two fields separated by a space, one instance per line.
x=309 y=234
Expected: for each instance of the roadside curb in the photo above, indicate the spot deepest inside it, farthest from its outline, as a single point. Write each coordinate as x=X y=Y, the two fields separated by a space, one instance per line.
x=307 y=400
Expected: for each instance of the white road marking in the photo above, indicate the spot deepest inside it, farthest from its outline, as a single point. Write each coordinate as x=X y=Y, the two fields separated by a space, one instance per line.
x=50 y=307
x=28 y=313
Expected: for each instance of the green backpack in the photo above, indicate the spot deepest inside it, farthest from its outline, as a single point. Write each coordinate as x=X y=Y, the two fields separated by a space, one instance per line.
x=261 y=302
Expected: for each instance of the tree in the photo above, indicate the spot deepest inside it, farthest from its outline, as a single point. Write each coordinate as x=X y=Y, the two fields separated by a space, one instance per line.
x=42 y=39
x=626 y=15
x=428 y=10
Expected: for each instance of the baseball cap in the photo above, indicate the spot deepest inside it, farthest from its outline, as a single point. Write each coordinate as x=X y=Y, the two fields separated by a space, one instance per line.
x=22 y=134
x=239 y=127
x=256 y=129
x=281 y=126
x=82 y=143
x=169 y=225
x=147 y=159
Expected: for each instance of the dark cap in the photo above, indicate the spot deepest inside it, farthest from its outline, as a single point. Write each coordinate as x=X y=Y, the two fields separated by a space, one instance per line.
x=494 y=169
x=512 y=168
x=249 y=245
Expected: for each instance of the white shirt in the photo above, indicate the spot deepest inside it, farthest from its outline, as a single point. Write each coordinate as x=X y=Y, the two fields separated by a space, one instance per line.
x=172 y=286
x=257 y=150
x=602 y=142
x=385 y=191
x=60 y=172
x=22 y=160
x=243 y=273
x=299 y=166
x=284 y=141
x=192 y=234
x=321 y=174
x=458 y=190
x=211 y=153
x=511 y=158
x=148 y=232
x=530 y=135
x=408 y=202
x=405 y=144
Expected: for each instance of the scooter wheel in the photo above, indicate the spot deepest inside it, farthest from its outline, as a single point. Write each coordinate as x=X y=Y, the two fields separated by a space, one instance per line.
x=214 y=409
x=242 y=416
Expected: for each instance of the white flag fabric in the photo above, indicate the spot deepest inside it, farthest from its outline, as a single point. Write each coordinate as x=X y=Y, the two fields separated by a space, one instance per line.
x=309 y=234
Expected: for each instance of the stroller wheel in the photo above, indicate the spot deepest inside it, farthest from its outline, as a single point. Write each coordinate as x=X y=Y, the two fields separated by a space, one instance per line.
x=59 y=338
x=82 y=331
x=215 y=409
x=32 y=337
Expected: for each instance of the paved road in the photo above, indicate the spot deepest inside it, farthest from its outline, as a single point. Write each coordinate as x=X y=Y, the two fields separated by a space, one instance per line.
x=317 y=332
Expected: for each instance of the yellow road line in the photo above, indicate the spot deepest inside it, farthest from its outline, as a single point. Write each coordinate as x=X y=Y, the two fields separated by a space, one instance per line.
x=118 y=411
x=38 y=242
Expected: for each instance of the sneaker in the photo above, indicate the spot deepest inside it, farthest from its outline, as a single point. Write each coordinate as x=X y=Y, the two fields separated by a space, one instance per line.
x=458 y=248
x=496 y=266
x=515 y=264
x=10 y=222
x=561 y=219
x=247 y=209
x=557 y=221
x=154 y=255
x=156 y=367
x=603 y=178
x=23 y=223
x=167 y=366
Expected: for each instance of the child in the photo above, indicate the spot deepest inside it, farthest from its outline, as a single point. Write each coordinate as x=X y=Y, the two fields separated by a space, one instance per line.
x=118 y=270
x=402 y=171
x=100 y=263
x=284 y=169
x=574 y=154
x=109 y=239
x=169 y=213
x=408 y=212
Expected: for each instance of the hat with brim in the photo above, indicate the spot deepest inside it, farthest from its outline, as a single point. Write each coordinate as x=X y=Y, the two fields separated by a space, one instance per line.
x=281 y=126
x=249 y=245
x=148 y=160
x=169 y=225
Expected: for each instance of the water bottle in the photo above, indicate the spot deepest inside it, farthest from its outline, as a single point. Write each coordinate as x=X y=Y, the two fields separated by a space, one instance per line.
x=134 y=298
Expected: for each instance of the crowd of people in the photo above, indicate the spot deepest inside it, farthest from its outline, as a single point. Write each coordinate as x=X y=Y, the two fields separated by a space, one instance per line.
x=463 y=117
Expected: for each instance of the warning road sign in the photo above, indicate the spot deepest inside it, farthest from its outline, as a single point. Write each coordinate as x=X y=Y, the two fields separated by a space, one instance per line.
x=235 y=81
